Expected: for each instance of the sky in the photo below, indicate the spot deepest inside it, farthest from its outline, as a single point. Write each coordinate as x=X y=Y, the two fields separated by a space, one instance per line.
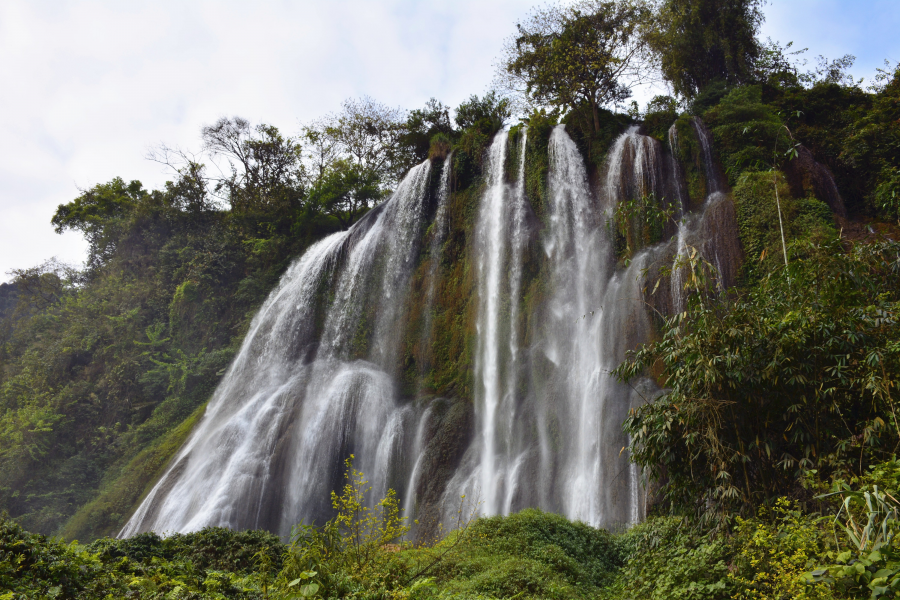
x=89 y=87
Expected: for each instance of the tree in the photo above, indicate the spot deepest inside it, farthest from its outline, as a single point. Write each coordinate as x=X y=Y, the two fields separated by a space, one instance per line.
x=698 y=42
x=589 y=52
x=98 y=214
x=345 y=190
x=365 y=132
x=265 y=167
x=189 y=192
x=42 y=286
x=354 y=157
x=421 y=126
x=487 y=113
x=792 y=381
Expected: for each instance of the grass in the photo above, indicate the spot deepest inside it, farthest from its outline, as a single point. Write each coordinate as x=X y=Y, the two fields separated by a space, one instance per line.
x=121 y=495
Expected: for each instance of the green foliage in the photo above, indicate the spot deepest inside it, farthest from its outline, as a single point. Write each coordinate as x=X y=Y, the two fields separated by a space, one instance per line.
x=887 y=199
x=774 y=554
x=871 y=145
x=124 y=487
x=708 y=97
x=423 y=126
x=478 y=119
x=211 y=548
x=266 y=173
x=532 y=554
x=99 y=214
x=757 y=217
x=661 y=112
x=796 y=375
x=346 y=190
x=211 y=563
x=666 y=559
x=581 y=552
x=364 y=531
x=701 y=41
x=765 y=557
x=580 y=54
x=744 y=130
x=439 y=146
x=851 y=130
x=639 y=223
x=867 y=559
x=352 y=552
x=487 y=114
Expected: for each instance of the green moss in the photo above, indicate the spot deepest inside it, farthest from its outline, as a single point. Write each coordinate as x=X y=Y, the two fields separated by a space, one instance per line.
x=531 y=554
x=690 y=158
x=757 y=216
x=744 y=131
x=125 y=488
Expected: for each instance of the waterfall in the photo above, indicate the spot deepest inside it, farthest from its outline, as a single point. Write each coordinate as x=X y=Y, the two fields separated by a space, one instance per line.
x=438 y=237
x=635 y=168
x=270 y=446
x=580 y=259
x=492 y=238
x=713 y=181
x=499 y=243
x=328 y=368
x=516 y=251
x=711 y=230
x=675 y=169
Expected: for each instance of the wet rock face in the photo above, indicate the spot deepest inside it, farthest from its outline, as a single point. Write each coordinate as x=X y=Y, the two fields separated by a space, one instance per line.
x=808 y=177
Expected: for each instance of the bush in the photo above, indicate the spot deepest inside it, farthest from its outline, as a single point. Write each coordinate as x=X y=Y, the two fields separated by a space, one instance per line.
x=213 y=563
x=757 y=217
x=668 y=560
x=745 y=131
x=790 y=379
x=775 y=551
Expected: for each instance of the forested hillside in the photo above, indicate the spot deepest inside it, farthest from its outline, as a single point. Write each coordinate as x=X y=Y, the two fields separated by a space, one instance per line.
x=776 y=391
x=105 y=370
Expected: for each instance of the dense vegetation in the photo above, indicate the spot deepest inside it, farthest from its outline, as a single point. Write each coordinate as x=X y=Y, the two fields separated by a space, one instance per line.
x=105 y=371
x=779 y=391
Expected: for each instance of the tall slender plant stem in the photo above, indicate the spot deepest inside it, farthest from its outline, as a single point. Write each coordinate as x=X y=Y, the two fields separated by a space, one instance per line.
x=777 y=200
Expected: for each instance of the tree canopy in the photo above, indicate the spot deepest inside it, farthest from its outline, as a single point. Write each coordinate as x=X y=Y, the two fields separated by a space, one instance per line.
x=697 y=42
x=587 y=53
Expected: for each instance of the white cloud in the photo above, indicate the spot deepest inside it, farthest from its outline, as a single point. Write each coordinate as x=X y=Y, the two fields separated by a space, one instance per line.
x=89 y=86
x=833 y=28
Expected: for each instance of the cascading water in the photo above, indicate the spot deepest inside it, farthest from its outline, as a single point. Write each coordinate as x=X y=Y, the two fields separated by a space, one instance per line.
x=713 y=182
x=707 y=230
x=598 y=484
x=677 y=279
x=492 y=238
x=269 y=448
x=499 y=243
x=324 y=371
x=439 y=236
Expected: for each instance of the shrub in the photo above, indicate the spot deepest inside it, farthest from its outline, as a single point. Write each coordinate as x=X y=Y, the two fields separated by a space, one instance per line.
x=668 y=560
x=793 y=377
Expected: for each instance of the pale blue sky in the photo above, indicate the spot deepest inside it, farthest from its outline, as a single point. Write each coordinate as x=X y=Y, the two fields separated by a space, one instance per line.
x=88 y=86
